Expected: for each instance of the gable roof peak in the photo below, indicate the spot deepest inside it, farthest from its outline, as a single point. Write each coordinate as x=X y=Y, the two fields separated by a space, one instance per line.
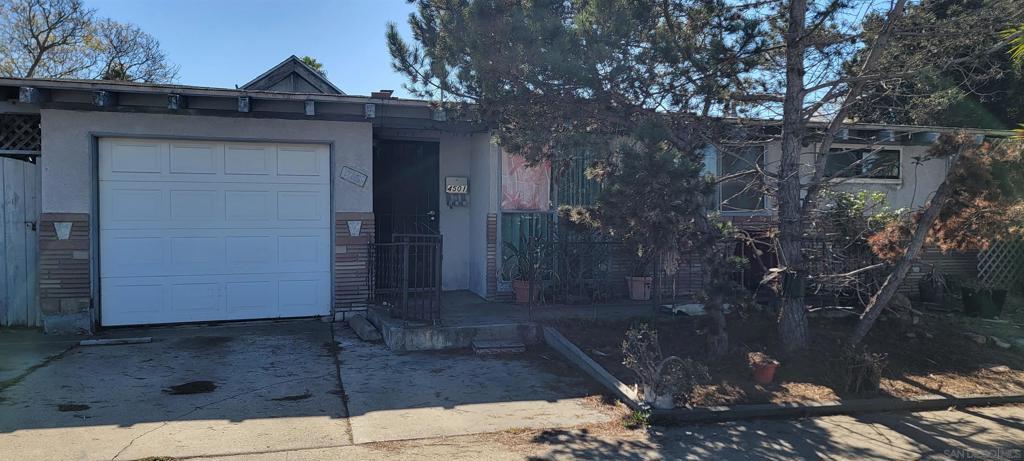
x=292 y=76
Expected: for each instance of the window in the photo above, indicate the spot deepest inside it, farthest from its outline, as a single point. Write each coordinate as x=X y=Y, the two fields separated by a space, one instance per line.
x=844 y=162
x=571 y=184
x=743 y=193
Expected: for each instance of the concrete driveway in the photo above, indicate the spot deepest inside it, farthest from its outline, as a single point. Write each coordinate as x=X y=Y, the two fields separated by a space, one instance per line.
x=416 y=395
x=243 y=388
x=268 y=389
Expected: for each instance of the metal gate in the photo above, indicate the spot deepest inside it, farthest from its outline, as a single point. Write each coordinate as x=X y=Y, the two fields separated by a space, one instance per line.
x=405 y=275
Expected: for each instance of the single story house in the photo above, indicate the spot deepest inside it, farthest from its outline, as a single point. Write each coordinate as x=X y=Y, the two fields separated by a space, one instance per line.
x=136 y=204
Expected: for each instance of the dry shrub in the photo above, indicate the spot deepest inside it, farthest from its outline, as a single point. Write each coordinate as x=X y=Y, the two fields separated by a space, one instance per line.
x=672 y=375
x=857 y=371
x=987 y=202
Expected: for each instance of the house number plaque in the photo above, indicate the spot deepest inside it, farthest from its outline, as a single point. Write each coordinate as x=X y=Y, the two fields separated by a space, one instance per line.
x=456 y=185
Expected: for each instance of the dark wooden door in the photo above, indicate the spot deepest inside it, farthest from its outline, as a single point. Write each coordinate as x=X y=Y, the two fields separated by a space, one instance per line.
x=406 y=188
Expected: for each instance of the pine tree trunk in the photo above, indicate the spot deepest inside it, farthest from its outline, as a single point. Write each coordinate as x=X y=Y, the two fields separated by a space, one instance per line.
x=899 y=273
x=793 y=316
x=718 y=338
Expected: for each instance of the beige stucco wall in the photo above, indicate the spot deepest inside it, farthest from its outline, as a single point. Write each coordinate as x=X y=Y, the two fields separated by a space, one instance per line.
x=67 y=168
x=900 y=193
x=464 y=228
x=456 y=153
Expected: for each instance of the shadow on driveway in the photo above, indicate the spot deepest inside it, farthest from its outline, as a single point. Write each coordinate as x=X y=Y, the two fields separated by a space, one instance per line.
x=193 y=390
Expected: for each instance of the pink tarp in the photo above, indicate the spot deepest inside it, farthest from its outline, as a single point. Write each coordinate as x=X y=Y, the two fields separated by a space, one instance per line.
x=524 y=188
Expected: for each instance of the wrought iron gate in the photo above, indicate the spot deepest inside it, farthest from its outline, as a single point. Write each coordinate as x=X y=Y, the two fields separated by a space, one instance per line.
x=405 y=275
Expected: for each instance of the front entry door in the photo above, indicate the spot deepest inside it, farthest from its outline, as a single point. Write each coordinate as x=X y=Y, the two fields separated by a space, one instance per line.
x=407 y=254
x=406 y=188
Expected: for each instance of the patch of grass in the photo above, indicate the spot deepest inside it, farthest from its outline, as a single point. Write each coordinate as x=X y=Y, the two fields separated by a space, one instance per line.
x=638 y=419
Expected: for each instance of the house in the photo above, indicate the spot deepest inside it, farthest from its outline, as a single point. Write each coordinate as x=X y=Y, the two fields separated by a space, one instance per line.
x=152 y=203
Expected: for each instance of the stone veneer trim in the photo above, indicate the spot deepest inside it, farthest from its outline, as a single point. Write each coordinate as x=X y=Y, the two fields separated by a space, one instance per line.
x=65 y=276
x=492 y=255
x=351 y=262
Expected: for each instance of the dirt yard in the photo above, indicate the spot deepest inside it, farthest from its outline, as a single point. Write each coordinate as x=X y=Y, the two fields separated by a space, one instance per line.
x=932 y=357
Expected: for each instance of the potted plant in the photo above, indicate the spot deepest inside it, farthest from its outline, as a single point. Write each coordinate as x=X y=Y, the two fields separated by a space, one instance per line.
x=932 y=287
x=525 y=264
x=981 y=299
x=762 y=366
x=640 y=281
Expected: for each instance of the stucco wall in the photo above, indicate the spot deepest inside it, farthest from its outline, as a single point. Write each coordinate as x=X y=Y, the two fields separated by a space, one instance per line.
x=465 y=228
x=67 y=147
x=900 y=193
x=456 y=154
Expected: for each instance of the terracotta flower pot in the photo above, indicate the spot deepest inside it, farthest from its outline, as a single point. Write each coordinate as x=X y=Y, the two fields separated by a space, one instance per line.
x=639 y=288
x=521 y=291
x=764 y=373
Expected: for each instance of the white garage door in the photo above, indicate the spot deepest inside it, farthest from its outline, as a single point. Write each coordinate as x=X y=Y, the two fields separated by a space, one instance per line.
x=197 y=231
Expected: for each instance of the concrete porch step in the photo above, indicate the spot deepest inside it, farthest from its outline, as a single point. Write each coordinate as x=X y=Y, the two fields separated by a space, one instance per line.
x=400 y=335
x=498 y=346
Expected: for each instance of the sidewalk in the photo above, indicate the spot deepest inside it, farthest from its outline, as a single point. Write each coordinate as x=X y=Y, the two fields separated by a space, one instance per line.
x=989 y=433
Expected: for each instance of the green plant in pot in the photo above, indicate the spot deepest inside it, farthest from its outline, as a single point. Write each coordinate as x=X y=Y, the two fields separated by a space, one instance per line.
x=640 y=281
x=526 y=265
x=981 y=299
x=932 y=287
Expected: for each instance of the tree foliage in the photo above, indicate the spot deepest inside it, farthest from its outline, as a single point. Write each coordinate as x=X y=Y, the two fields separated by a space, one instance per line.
x=556 y=77
x=986 y=203
x=552 y=75
x=314 y=64
x=947 y=67
x=650 y=195
x=65 y=39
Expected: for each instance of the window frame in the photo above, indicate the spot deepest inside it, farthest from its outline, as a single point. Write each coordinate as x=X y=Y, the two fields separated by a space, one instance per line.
x=765 y=207
x=869 y=148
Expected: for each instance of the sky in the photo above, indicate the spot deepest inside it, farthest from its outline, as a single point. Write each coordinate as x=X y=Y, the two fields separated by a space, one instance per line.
x=223 y=43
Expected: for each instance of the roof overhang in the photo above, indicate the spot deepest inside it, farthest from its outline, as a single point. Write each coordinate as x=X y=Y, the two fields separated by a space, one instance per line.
x=115 y=96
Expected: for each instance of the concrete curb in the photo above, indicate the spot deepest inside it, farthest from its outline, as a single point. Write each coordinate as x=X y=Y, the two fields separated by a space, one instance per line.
x=569 y=350
x=812 y=409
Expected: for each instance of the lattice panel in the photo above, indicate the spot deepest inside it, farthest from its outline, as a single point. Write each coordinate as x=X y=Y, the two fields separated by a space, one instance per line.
x=20 y=132
x=1002 y=264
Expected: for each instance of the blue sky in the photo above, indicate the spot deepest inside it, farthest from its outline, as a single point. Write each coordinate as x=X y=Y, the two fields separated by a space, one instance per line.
x=223 y=43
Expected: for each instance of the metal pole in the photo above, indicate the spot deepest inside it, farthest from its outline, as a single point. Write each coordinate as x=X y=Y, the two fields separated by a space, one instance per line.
x=437 y=277
x=405 y=279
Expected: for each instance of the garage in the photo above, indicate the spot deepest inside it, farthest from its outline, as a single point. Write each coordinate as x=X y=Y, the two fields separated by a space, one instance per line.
x=193 y=231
